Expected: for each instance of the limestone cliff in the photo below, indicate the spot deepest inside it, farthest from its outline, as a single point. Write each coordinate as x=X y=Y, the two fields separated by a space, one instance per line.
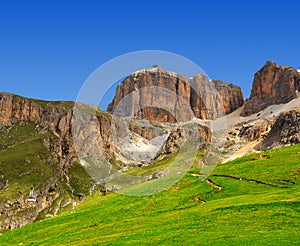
x=153 y=94
x=14 y=108
x=156 y=94
x=231 y=95
x=273 y=84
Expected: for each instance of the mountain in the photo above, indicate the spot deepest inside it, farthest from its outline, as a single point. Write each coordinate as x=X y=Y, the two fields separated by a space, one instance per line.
x=54 y=146
x=273 y=84
x=156 y=94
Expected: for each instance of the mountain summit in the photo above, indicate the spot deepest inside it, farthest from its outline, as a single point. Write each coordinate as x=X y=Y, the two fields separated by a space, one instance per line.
x=273 y=84
x=156 y=94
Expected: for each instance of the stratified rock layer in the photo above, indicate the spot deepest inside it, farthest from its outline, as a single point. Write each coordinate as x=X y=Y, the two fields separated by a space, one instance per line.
x=156 y=94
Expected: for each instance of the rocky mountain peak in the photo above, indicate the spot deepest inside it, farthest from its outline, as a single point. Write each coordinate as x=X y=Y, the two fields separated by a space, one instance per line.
x=160 y=95
x=273 y=84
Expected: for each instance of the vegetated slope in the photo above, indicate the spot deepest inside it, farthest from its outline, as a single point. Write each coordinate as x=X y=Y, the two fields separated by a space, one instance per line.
x=249 y=201
x=25 y=161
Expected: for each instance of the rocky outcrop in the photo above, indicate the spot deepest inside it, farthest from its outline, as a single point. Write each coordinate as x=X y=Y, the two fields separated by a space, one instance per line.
x=253 y=130
x=54 y=116
x=272 y=84
x=72 y=134
x=173 y=143
x=92 y=125
x=155 y=94
x=231 y=95
x=244 y=138
x=146 y=130
x=286 y=130
x=14 y=109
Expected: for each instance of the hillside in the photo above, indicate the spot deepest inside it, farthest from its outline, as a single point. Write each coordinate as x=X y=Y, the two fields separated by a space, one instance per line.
x=253 y=200
x=26 y=160
x=35 y=151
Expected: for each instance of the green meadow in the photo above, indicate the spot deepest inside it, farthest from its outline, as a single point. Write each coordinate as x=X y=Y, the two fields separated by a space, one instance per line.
x=254 y=200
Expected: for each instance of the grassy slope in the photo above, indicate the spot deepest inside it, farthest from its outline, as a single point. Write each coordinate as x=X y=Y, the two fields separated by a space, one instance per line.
x=259 y=205
x=24 y=161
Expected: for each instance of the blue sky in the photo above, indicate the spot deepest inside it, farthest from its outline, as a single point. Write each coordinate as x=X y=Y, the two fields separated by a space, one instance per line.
x=49 y=48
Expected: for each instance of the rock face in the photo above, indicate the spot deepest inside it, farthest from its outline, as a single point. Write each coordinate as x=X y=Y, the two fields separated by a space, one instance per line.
x=244 y=138
x=14 y=108
x=272 y=84
x=145 y=130
x=231 y=95
x=155 y=94
x=286 y=130
x=251 y=130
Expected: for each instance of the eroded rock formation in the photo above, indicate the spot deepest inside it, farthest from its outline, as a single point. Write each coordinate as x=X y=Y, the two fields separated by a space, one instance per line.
x=286 y=130
x=155 y=94
x=273 y=84
x=231 y=95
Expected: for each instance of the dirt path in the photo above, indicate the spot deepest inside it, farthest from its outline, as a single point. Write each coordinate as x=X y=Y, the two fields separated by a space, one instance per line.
x=248 y=180
x=211 y=183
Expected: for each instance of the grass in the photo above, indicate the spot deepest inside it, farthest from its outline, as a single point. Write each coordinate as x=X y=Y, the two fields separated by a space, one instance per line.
x=258 y=205
x=44 y=104
x=15 y=134
x=56 y=104
x=80 y=181
x=23 y=161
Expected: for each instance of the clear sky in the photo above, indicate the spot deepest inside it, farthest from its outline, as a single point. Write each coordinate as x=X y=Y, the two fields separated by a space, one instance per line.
x=49 y=48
